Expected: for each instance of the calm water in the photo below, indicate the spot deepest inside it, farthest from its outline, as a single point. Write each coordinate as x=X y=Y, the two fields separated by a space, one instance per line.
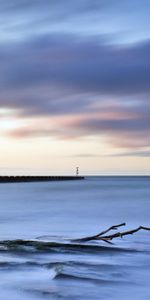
x=37 y=221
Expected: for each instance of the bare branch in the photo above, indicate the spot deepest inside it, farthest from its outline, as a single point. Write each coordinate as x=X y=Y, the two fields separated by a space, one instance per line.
x=107 y=238
x=121 y=234
x=97 y=236
x=114 y=227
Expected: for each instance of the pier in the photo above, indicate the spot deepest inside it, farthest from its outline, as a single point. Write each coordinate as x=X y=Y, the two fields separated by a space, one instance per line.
x=9 y=179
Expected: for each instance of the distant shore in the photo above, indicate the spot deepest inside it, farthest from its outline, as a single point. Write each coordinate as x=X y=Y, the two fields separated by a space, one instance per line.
x=7 y=179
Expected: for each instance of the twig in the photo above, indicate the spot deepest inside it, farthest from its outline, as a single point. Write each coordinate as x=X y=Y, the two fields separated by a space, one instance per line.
x=121 y=234
x=97 y=236
x=107 y=238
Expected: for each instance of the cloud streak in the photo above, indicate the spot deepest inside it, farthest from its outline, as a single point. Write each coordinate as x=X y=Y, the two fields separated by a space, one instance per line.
x=25 y=18
x=85 y=84
x=88 y=65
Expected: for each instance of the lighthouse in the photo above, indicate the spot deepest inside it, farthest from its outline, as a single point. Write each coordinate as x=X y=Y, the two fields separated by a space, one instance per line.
x=77 y=171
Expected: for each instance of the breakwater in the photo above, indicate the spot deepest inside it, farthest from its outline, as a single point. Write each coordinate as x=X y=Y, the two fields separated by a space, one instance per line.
x=7 y=179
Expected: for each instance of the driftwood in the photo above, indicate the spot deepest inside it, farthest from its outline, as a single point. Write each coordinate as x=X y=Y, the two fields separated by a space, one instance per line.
x=108 y=238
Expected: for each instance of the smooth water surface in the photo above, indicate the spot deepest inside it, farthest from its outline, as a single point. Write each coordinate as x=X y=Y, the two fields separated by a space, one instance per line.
x=37 y=222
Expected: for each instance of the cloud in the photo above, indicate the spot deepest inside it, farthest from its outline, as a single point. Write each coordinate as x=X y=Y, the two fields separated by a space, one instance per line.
x=144 y=153
x=92 y=85
x=87 y=65
x=121 y=129
x=59 y=73
x=23 y=18
x=121 y=132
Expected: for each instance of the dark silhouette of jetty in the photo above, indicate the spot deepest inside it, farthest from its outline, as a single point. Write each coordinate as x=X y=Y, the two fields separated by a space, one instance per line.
x=9 y=179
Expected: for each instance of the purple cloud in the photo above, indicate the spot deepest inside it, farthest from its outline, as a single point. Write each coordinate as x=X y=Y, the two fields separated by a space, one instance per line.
x=103 y=87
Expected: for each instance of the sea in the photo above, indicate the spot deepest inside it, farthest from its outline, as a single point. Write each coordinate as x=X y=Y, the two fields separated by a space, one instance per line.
x=40 y=257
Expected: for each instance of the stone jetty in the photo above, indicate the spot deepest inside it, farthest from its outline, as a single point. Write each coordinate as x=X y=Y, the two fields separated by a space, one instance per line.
x=9 y=179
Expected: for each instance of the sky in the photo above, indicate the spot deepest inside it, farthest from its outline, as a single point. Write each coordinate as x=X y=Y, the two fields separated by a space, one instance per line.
x=75 y=87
